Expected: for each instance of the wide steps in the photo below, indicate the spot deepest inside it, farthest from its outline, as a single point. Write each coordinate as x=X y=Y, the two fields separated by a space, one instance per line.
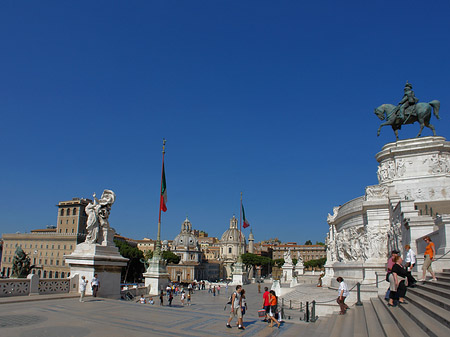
x=431 y=288
x=408 y=327
x=388 y=325
x=359 y=322
x=373 y=324
x=427 y=324
x=429 y=308
x=438 y=299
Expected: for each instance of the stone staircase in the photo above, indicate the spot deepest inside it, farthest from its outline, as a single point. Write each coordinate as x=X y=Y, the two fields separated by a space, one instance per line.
x=427 y=313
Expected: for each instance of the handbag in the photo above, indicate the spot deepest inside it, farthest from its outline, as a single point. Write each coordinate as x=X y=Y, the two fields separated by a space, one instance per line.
x=261 y=312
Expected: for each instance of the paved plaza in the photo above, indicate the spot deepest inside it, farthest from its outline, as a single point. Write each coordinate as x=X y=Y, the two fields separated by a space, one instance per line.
x=104 y=317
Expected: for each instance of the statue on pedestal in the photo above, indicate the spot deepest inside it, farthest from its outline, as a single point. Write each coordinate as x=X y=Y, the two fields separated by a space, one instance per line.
x=98 y=229
x=287 y=257
x=408 y=111
x=21 y=264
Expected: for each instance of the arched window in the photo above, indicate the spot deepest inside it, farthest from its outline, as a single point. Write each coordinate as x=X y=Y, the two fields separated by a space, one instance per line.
x=39 y=273
x=45 y=274
x=62 y=274
x=229 y=250
x=50 y=274
x=56 y=274
x=62 y=212
x=68 y=211
x=74 y=212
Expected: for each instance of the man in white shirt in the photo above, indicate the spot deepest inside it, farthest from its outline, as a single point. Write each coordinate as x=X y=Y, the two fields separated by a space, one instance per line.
x=343 y=293
x=410 y=261
x=95 y=284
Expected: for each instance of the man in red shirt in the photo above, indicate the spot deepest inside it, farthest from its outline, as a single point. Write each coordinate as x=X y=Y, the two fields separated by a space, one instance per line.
x=266 y=304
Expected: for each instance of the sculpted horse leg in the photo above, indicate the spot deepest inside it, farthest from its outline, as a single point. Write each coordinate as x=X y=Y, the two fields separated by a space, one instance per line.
x=383 y=124
x=430 y=126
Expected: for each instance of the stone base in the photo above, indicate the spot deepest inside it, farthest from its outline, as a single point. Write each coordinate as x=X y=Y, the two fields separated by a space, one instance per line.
x=156 y=278
x=239 y=275
x=288 y=270
x=90 y=259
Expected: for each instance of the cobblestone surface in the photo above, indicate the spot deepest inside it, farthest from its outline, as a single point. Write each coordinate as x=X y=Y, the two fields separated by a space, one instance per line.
x=103 y=317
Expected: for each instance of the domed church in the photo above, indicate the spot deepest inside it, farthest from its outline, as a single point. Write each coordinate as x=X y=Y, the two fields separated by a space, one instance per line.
x=229 y=246
x=185 y=244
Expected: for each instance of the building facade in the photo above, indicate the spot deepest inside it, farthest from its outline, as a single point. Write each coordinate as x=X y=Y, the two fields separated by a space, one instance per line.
x=46 y=247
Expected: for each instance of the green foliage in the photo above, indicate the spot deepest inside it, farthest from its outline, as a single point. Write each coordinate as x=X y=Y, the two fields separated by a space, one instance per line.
x=256 y=260
x=294 y=261
x=148 y=254
x=134 y=269
x=308 y=243
x=320 y=243
x=316 y=263
x=278 y=262
x=171 y=257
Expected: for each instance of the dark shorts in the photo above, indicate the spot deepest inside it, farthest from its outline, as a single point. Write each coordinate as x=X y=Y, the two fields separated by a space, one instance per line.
x=267 y=308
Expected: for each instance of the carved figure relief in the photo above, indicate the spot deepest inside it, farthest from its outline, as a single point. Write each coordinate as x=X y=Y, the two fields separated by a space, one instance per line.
x=98 y=215
x=376 y=192
x=331 y=218
x=439 y=163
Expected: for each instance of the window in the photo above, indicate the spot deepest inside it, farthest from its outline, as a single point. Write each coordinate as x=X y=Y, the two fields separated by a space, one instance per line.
x=45 y=274
x=60 y=230
x=53 y=246
x=72 y=230
x=57 y=262
x=68 y=211
x=73 y=221
x=63 y=263
x=64 y=246
x=74 y=211
x=56 y=274
x=229 y=250
x=40 y=261
x=60 y=222
x=66 y=230
x=46 y=246
x=67 y=221
x=62 y=274
x=62 y=212
x=50 y=274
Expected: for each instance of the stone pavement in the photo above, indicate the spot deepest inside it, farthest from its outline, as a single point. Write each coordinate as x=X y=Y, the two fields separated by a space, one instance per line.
x=103 y=317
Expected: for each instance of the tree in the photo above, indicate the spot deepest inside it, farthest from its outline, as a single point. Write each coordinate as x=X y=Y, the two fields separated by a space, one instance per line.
x=256 y=260
x=171 y=257
x=279 y=262
x=308 y=243
x=320 y=243
x=316 y=263
x=134 y=269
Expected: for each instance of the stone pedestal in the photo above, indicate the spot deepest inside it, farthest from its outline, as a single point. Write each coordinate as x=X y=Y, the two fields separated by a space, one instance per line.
x=443 y=223
x=288 y=271
x=239 y=274
x=276 y=287
x=156 y=276
x=89 y=258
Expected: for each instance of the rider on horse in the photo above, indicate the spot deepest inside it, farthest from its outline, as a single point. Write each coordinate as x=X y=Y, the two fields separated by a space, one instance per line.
x=408 y=100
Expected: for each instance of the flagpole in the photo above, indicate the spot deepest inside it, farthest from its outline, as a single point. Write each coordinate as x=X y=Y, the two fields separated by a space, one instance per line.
x=240 y=231
x=157 y=253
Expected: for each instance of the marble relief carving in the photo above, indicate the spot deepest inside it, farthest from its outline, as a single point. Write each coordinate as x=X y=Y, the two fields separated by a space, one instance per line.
x=376 y=192
x=439 y=163
x=391 y=169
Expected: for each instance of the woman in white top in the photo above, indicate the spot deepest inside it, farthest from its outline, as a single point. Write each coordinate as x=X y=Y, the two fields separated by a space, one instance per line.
x=343 y=293
x=83 y=284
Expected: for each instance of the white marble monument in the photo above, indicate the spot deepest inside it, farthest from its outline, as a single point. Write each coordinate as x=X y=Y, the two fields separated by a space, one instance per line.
x=414 y=186
x=288 y=267
x=98 y=254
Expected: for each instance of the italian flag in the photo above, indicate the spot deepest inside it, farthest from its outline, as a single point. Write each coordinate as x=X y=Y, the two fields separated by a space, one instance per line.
x=246 y=223
x=163 y=201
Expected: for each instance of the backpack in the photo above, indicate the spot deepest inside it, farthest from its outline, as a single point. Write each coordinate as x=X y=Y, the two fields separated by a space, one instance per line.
x=230 y=300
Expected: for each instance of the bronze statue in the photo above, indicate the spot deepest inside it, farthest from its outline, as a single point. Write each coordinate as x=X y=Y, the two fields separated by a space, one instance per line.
x=408 y=111
x=21 y=264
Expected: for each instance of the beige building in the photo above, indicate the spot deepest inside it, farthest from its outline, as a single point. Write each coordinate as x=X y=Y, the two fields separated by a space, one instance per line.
x=46 y=247
x=307 y=252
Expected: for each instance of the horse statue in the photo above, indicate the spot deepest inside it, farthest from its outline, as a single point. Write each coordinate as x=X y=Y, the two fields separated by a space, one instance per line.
x=422 y=115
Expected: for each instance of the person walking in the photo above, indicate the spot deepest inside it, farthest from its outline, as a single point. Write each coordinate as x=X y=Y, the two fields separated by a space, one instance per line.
x=83 y=284
x=189 y=300
x=273 y=301
x=243 y=306
x=95 y=284
x=430 y=252
x=236 y=310
x=218 y=290
x=170 y=299
x=410 y=261
x=183 y=294
x=343 y=293
x=214 y=291
x=266 y=304
x=161 y=297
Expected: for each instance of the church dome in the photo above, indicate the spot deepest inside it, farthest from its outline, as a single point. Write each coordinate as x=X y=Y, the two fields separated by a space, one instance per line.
x=231 y=235
x=186 y=239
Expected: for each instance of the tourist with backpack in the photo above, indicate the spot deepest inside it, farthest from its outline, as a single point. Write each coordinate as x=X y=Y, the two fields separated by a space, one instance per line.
x=236 y=310
x=273 y=302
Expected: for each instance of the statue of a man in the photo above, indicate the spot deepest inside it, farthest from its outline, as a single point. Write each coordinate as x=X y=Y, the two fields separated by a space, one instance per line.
x=408 y=100
x=287 y=256
x=98 y=214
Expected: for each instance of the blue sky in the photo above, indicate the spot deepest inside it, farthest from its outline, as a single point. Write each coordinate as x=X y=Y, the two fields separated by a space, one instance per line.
x=274 y=99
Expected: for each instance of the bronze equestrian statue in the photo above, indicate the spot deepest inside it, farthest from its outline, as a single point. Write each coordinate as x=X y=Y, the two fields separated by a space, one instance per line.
x=408 y=111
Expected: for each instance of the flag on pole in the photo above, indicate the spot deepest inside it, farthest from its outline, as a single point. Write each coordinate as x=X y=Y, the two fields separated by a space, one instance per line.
x=246 y=223
x=163 y=201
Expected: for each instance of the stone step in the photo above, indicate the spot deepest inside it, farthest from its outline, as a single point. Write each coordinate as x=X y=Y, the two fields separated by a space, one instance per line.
x=446 y=270
x=406 y=325
x=359 y=322
x=373 y=325
x=430 y=309
x=432 y=289
x=388 y=325
x=438 y=284
x=330 y=326
x=443 y=278
x=343 y=326
x=428 y=324
x=439 y=300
